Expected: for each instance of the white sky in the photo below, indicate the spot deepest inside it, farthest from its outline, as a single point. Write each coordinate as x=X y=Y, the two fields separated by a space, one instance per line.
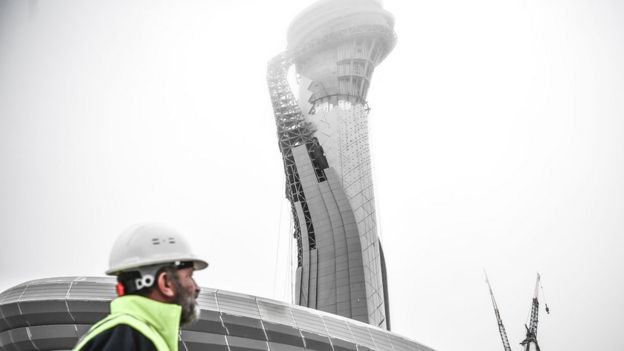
x=496 y=130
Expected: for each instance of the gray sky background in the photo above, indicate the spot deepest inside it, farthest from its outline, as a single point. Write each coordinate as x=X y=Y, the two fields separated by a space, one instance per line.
x=496 y=129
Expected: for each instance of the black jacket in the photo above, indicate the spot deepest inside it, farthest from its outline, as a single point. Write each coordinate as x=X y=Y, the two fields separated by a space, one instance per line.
x=119 y=338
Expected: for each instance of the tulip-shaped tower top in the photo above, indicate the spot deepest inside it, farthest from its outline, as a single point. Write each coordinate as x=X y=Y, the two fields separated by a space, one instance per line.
x=337 y=44
x=331 y=16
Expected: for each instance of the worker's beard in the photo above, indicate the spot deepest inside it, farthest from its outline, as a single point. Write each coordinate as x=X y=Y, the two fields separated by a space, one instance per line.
x=188 y=302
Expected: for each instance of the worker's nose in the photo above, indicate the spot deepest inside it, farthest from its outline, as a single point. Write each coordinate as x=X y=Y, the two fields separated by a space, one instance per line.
x=197 y=289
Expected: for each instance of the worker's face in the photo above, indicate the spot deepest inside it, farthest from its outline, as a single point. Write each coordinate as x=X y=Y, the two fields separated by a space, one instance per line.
x=186 y=295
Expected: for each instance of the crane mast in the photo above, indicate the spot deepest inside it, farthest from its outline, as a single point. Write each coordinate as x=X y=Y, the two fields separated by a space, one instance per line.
x=531 y=330
x=501 y=327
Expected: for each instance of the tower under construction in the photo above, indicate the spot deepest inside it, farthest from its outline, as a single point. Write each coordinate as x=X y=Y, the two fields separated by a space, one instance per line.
x=323 y=137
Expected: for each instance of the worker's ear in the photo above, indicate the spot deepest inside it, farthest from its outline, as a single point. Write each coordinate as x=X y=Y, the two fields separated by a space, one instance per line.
x=165 y=284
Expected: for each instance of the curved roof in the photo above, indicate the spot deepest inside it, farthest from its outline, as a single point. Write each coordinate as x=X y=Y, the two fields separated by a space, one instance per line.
x=327 y=16
x=53 y=313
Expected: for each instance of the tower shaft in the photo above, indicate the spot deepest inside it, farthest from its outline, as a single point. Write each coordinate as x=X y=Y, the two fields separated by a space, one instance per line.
x=323 y=138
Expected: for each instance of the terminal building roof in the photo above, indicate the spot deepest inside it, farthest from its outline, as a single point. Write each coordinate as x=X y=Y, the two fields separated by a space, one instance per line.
x=51 y=314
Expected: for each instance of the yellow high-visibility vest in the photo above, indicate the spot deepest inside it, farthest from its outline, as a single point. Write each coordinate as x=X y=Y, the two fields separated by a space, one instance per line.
x=157 y=321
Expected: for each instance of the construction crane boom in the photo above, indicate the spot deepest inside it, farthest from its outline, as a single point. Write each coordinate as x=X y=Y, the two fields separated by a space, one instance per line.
x=531 y=330
x=501 y=327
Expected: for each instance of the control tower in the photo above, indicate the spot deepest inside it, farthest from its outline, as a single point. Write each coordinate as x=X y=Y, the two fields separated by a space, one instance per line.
x=335 y=46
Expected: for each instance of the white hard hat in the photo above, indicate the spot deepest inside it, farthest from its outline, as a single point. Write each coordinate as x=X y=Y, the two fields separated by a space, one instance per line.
x=148 y=245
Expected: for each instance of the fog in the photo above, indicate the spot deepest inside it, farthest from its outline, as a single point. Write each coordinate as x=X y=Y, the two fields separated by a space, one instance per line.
x=497 y=137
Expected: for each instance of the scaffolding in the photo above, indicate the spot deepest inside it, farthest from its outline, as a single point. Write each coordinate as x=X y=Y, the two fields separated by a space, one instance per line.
x=292 y=128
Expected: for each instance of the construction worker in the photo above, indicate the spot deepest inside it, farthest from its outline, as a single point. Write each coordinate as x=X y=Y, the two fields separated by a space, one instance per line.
x=156 y=292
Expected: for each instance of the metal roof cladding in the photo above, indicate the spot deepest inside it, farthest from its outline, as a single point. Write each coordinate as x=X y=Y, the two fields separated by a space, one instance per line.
x=51 y=314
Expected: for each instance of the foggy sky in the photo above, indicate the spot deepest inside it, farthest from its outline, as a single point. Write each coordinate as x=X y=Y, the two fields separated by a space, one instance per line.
x=496 y=132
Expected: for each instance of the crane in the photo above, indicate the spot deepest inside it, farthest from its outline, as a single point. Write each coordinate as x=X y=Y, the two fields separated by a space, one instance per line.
x=501 y=327
x=531 y=330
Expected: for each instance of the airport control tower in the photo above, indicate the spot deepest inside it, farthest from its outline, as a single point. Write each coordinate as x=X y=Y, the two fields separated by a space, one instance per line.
x=335 y=46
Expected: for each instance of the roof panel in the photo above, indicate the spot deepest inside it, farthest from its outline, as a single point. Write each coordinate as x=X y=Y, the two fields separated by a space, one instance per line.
x=282 y=347
x=238 y=304
x=316 y=342
x=242 y=344
x=209 y=321
x=341 y=345
x=54 y=337
x=381 y=339
x=274 y=311
x=244 y=327
x=338 y=328
x=5 y=340
x=208 y=300
x=57 y=290
x=283 y=334
x=92 y=290
x=362 y=336
x=12 y=295
x=203 y=341
x=309 y=321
